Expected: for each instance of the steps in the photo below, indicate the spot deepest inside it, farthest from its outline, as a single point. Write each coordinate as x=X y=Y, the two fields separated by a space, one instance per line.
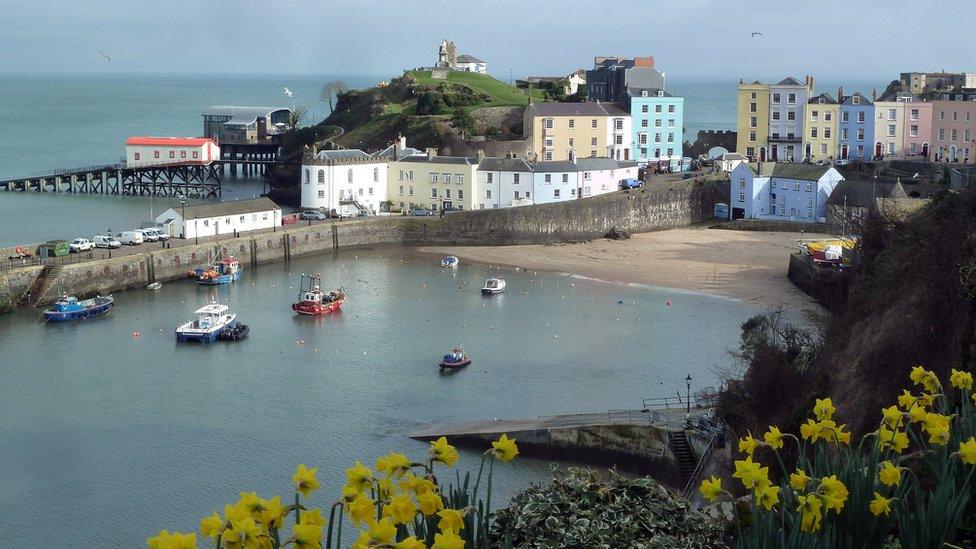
x=683 y=454
x=39 y=286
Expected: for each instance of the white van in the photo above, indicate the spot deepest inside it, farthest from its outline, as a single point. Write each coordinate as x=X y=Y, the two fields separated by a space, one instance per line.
x=103 y=241
x=148 y=235
x=130 y=237
x=155 y=231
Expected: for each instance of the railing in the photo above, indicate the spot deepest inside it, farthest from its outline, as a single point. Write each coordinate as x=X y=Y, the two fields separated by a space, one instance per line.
x=689 y=486
x=632 y=417
x=7 y=263
x=702 y=399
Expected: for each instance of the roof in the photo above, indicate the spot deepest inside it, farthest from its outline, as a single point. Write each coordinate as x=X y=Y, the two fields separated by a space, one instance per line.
x=242 y=115
x=400 y=153
x=826 y=97
x=733 y=156
x=465 y=58
x=576 y=109
x=864 y=193
x=789 y=81
x=466 y=160
x=169 y=141
x=236 y=207
x=504 y=165
x=651 y=92
x=862 y=101
x=785 y=170
x=555 y=166
x=591 y=163
x=342 y=154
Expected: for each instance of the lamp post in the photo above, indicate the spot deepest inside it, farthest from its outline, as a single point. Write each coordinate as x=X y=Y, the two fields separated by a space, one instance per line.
x=183 y=217
x=688 y=394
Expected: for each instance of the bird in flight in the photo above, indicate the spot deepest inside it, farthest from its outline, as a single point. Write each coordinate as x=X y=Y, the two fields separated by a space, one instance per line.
x=105 y=55
x=755 y=34
x=288 y=92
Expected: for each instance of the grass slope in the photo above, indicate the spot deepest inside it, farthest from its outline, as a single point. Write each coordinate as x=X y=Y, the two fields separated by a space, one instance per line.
x=502 y=94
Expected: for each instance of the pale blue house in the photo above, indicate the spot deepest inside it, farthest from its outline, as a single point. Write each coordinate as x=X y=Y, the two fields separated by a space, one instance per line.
x=658 y=123
x=781 y=191
x=855 y=135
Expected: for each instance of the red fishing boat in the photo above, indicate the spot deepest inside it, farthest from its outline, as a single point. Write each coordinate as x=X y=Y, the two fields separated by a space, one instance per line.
x=313 y=301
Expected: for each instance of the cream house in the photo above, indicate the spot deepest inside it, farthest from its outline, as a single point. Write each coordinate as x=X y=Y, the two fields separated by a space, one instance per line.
x=433 y=182
x=566 y=131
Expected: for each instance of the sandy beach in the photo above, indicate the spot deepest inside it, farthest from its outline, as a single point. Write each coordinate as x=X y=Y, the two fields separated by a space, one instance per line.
x=746 y=265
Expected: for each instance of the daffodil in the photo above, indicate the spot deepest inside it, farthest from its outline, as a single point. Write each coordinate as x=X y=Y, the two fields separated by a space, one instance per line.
x=907 y=400
x=210 y=526
x=304 y=480
x=175 y=540
x=443 y=452
x=447 y=540
x=361 y=509
x=307 y=536
x=748 y=445
x=244 y=533
x=937 y=427
x=359 y=476
x=896 y=440
x=411 y=543
x=917 y=374
x=711 y=488
x=384 y=488
x=799 y=480
x=835 y=493
x=926 y=378
x=430 y=503
x=880 y=504
x=842 y=436
x=893 y=416
x=452 y=520
x=774 y=438
x=312 y=517
x=349 y=493
x=235 y=512
x=767 y=496
x=810 y=430
x=967 y=451
x=889 y=475
x=393 y=464
x=381 y=531
x=810 y=508
x=504 y=449
x=916 y=414
x=961 y=380
x=252 y=503
x=401 y=509
x=273 y=513
x=417 y=485
x=824 y=409
x=751 y=474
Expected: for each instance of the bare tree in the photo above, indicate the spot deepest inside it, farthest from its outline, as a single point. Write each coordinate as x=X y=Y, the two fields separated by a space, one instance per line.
x=333 y=88
x=298 y=116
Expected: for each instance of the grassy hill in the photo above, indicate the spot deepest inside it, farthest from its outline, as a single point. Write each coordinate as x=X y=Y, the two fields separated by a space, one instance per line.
x=500 y=93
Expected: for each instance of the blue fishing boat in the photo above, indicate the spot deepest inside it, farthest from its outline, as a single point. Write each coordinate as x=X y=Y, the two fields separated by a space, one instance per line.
x=222 y=271
x=70 y=308
x=450 y=262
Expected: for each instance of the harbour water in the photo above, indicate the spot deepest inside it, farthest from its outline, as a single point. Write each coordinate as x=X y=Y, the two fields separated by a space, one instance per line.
x=117 y=431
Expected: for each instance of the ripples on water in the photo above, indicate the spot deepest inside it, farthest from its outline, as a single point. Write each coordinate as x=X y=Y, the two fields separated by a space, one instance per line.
x=115 y=436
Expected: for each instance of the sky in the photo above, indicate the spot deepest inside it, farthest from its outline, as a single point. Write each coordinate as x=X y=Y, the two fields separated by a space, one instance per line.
x=689 y=39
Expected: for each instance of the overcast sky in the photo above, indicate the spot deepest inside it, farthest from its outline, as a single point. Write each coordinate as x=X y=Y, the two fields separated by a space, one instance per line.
x=690 y=39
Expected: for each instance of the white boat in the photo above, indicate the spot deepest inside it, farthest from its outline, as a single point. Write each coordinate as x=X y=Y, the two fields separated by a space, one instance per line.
x=154 y=286
x=493 y=286
x=209 y=322
x=450 y=262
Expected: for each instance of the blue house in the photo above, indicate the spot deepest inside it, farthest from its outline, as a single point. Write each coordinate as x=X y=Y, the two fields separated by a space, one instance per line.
x=781 y=191
x=657 y=119
x=855 y=134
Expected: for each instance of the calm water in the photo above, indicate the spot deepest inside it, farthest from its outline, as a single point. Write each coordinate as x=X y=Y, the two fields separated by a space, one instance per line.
x=118 y=435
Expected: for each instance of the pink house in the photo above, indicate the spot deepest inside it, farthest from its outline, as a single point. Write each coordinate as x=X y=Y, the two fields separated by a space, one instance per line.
x=954 y=128
x=917 y=141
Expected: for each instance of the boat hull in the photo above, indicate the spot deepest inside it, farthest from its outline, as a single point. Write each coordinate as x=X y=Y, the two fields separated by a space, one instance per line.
x=312 y=308
x=220 y=279
x=236 y=332
x=492 y=291
x=197 y=337
x=455 y=365
x=99 y=308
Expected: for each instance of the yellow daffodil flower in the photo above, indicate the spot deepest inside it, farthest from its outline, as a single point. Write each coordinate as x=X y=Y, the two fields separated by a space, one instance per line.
x=810 y=508
x=907 y=400
x=889 y=475
x=504 y=449
x=244 y=533
x=893 y=416
x=452 y=520
x=447 y=540
x=443 y=452
x=382 y=531
x=359 y=476
x=748 y=445
x=917 y=374
x=401 y=509
x=307 y=536
x=967 y=451
x=361 y=509
x=417 y=485
x=810 y=430
x=252 y=503
x=773 y=437
x=842 y=436
x=896 y=440
x=799 y=480
x=880 y=504
x=767 y=496
x=410 y=543
x=349 y=493
x=175 y=540
x=916 y=414
x=430 y=503
x=751 y=474
x=312 y=517
x=210 y=526
x=363 y=541
x=824 y=409
x=961 y=380
x=384 y=488
x=393 y=464
x=235 y=512
x=835 y=493
x=711 y=488
x=273 y=512
x=926 y=378
x=304 y=480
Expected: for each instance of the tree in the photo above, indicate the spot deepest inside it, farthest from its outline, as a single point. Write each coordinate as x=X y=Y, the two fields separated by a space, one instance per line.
x=298 y=115
x=333 y=88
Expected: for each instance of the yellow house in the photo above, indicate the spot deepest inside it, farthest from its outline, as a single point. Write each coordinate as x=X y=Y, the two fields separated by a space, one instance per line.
x=752 y=127
x=822 y=116
x=433 y=182
x=566 y=131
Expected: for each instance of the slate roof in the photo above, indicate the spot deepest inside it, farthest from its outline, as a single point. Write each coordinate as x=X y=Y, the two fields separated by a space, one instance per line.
x=789 y=81
x=555 y=166
x=465 y=58
x=827 y=99
x=785 y=170
x=590 y=164
x=651 y=92
x=236 y=207
x=504 y=165
x=864 y=101
x=342 y=154
x=864 y=193
x=462 y=160
x=576 y=109
x=392 y=150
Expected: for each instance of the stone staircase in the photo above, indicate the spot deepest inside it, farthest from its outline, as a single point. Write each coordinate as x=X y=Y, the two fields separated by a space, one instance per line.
x=683 y=454
x=39 y=287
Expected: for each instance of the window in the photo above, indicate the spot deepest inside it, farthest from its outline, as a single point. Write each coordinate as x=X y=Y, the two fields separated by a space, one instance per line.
x=586 y=176
x=182 y=154
x=860 y=134
x=913 y=130
x=401 y=190
x=515 y=179
x=892 y=114
x=828 y=116
x=845 y=116
x=401 y=176
x=555 y=193
x=775 y=115
x=411 y=190
x=671 y=109
x=860 y=150
x=645 y=108
x=460 y=194
x=547 y=123
x=321 y=177
x=517 y=195
x=657 y=108
x=644 y=123
x=912 y=148
x=447 y=193
x=349 y=176
x=752 y=95
x=826 y=133
x=791 y=98
x=742 y=197
x=855 y=100
x=172 y=154
x=376 y=174
x=955 y=134
x=891 y=130
x=618 y=139
x=670 y=138
x=860 y=117
x=891 y=147
x=460 y=178
x=941 y=115
x=549 y=142
x=775 y=98
x=955 y=116
x=487 y=193
x=752 y=136
x=370 y=191
x=742 y=183
x=823 y=149
x=446 y=177
x=753 y=122
x=809 y=202
x=913 y=115
x=571 y=140
x=752 y=107
x=844 y=134
x=572 y=123
x=750 y=152
x=791 y=115
x=592 y=153
x=410 y=174
x=658 y=123
x=489 y=177
x=321 y=194
x=137 y=157
x=815 y=116
x=941 y=134
x=618 y=124
x=593 y=124
x=360 y=191
x=565 y=178
x=670 y=122
x=593 y=142
x=155 y=154
x=813 y=133
x=809 y=213
x=548 y=178
x=670 y=151
x=196 y=154
x=572 y=192
x=433 y=193
x=528 y=194
x=432 y=177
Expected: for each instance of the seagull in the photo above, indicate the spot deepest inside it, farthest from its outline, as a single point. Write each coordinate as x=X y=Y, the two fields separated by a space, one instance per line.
x=103 y=54
x=288 y=92
x=755 y=34
x=915 y=176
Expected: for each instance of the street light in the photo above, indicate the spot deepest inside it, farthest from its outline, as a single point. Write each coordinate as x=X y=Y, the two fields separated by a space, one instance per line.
x=183 y=217
x=688 y=395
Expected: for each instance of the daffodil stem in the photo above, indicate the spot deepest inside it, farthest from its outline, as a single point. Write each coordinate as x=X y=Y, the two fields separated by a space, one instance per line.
x=491 y=471
x=339 y=533
x=328 y=539
x=477 y=481
x=297 y=509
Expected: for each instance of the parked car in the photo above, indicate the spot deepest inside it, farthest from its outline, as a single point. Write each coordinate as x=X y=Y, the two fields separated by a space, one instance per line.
x=420 y=212
x=364 y=213
x=314 y=214
x=131 y=238
x=148 y=235
x=631 y=183
x=81 y=245
x=159 y=233
x=106 y=241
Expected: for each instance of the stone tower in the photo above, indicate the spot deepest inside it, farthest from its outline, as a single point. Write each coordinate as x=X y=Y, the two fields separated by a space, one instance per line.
x=446 y=55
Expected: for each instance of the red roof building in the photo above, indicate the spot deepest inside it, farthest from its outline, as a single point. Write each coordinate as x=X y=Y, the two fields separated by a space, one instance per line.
x=157 y=151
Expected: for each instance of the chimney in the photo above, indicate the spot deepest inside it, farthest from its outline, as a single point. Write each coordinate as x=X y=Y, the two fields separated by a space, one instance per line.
x=431 y=153
x=645 y=62
x=840 y=94
x=874 y=94
x=510 y=154
x=481 y=155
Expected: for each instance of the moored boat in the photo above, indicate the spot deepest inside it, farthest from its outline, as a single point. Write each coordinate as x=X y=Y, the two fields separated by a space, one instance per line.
x=209 y=322
x=456 y=360
x=70 y=307
x=154 y=286
x=221 y=271
x=313 y=301
x=450 y=262
x=234 y=331
x=493 y=286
